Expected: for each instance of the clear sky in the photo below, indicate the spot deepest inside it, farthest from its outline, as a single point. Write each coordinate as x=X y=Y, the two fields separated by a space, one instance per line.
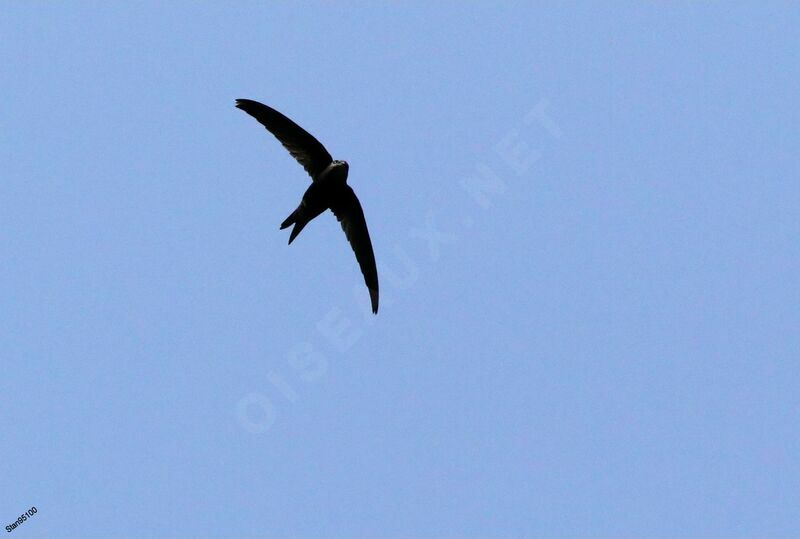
x=586 y=225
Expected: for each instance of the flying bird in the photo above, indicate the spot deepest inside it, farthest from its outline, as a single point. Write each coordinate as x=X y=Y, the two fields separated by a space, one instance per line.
x=328 y=189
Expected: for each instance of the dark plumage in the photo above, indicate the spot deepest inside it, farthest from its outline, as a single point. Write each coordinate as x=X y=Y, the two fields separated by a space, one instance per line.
x=328 y=189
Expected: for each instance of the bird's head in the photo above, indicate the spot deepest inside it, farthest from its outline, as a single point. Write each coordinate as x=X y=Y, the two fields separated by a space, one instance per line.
x=343 y=164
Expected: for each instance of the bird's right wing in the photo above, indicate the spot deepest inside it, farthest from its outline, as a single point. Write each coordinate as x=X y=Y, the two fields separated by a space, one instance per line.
x=302 y=145
x=348 y=211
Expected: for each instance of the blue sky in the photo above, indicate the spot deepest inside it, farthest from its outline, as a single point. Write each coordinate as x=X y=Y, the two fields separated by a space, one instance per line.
x=586 y=225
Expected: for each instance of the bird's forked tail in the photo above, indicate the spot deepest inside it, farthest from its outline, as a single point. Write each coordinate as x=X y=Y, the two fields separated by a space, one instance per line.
x=290 y=220
x=294 y=219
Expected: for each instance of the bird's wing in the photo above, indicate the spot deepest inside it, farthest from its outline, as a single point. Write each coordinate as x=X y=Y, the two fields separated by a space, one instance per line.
x=303 y=146
x=348 y=211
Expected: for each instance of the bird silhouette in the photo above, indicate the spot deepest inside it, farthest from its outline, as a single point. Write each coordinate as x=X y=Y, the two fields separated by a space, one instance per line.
x=328 y=189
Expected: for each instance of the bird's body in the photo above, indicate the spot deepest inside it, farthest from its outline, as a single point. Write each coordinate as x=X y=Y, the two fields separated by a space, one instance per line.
x=328 y=189
x=318 y=197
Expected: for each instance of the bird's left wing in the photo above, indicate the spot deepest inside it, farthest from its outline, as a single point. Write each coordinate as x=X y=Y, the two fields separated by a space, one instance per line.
x=348 y=211
x=301 y=144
